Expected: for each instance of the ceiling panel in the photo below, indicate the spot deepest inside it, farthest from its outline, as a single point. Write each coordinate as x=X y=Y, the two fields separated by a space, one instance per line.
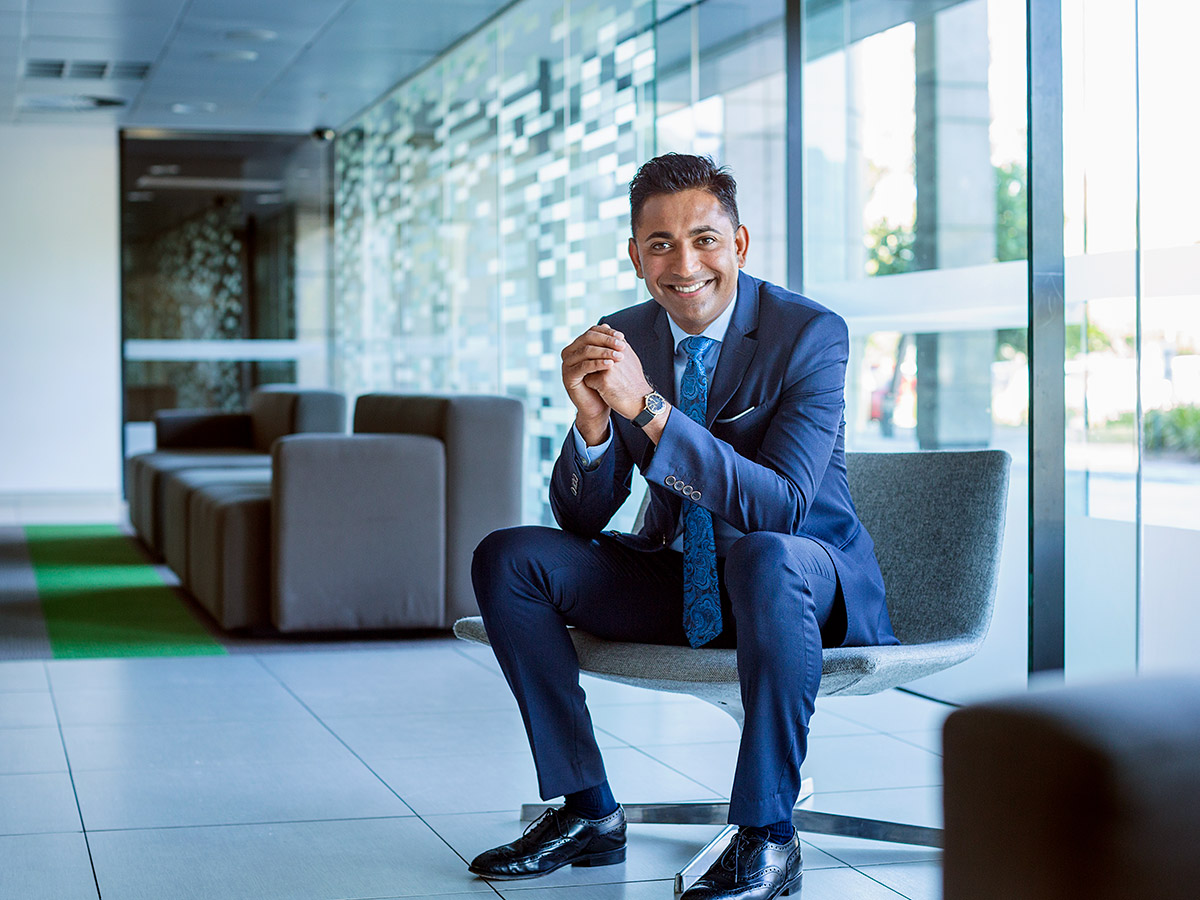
x=150 y=31
x=225 y=31
x=327 y=60
x=108 y=7
x=267 y=12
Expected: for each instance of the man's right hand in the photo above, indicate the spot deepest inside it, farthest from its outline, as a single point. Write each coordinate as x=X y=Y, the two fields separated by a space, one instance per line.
x=595 y=350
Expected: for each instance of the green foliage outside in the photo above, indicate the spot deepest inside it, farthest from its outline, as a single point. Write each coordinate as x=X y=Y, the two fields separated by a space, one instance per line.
x=1097 y=340
x=1173 y=430
x=1011 y=342
x=889 y=248
x=1012 y=213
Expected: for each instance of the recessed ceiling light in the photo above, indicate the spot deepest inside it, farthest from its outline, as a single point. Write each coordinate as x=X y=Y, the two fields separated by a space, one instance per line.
x=232 y=56
x=68 y=103
x=251 y=34
x=184 y=109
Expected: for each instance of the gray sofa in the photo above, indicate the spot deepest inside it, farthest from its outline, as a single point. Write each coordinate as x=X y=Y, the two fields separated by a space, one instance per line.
x=203 y=439
x=1089 y=791
x=370 y=530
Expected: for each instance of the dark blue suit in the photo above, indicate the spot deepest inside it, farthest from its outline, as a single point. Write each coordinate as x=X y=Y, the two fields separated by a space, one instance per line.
x=771 y=463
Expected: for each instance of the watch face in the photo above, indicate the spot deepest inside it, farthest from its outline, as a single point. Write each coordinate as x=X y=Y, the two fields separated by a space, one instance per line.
x=655 y=403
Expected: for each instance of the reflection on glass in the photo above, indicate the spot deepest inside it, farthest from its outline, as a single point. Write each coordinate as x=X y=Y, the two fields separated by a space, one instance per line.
x=914 y=230
x=1169 y=140
x=721 y=91
x=1101 y=354
x=481 y=215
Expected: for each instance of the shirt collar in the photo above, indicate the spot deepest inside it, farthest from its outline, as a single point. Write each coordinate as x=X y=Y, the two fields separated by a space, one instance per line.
x=716 y=328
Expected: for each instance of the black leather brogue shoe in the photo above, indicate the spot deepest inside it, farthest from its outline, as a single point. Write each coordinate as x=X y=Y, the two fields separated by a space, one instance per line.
x=751 y=868
x=558 y=838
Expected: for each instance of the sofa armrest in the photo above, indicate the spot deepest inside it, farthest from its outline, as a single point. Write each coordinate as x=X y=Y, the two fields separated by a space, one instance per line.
x=358 y=526
x=176 y=428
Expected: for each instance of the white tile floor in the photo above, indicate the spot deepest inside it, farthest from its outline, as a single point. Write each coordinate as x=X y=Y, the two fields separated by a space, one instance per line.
x=376 y=773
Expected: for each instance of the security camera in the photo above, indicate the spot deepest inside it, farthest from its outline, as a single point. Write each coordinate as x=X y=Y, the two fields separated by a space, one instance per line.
x=321 y=133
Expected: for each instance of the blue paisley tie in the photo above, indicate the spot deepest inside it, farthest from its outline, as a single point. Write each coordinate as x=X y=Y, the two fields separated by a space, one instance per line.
x=701 y=593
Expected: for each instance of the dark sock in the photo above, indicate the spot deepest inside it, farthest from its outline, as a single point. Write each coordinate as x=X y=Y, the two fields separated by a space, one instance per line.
x=777 y=833
x=594 y=802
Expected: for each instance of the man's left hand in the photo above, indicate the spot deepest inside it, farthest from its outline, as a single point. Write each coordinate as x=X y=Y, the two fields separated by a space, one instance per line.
x=623 y=386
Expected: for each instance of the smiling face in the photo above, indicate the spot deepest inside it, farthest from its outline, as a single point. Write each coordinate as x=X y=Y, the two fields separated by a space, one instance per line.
x=689 y=251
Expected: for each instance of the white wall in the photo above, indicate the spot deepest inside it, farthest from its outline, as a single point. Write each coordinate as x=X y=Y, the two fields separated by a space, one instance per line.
x=59 y=310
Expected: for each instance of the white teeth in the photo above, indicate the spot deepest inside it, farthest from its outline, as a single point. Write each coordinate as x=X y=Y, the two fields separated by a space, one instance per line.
x=690 y=289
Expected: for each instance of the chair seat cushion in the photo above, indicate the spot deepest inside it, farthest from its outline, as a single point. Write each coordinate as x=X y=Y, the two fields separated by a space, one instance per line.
x=845 y=670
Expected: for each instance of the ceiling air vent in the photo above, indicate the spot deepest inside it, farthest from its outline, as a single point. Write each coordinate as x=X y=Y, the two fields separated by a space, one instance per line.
x=87 y=68
x=45 y=68
x=134 y=71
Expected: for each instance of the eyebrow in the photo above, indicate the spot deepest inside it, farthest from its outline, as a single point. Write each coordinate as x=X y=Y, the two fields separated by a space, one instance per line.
x=702 y=229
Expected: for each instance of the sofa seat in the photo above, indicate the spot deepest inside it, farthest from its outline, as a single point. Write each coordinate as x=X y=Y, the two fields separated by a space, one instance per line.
x=149 y=471
x=177 y=490
x=229 y=552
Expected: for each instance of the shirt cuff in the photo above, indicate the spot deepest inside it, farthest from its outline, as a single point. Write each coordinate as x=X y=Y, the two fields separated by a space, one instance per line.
x=590 y=456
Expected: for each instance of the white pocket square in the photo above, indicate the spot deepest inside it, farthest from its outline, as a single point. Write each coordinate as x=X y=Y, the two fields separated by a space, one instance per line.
x=744 y=412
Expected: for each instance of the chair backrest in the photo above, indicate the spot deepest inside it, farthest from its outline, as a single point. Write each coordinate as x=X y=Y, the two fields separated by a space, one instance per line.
x=937 y=519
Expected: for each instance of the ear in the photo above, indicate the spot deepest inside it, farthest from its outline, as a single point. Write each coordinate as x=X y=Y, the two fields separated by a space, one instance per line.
x=741 y=242
x=635 y=258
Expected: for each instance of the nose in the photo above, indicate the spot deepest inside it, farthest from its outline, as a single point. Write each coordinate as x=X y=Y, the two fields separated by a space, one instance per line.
x=688 y=260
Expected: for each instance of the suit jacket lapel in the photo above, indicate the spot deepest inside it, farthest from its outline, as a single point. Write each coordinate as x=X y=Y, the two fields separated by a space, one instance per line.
x=737 y=349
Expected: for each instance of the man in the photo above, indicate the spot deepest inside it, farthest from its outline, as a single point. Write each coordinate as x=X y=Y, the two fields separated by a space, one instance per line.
x=727 y=393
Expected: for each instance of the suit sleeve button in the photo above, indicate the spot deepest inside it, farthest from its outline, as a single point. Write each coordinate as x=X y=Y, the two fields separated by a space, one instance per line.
x=669 y=481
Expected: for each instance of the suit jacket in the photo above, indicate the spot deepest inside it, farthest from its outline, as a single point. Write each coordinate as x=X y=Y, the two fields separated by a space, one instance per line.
x=771 y=456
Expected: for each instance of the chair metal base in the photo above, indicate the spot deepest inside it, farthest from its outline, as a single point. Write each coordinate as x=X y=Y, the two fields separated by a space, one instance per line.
x=809 y=821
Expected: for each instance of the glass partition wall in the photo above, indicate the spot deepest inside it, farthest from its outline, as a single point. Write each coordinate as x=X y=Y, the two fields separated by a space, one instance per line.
x=1132 y=359
x=224 y=270
x=481 y=221
x=914 y=212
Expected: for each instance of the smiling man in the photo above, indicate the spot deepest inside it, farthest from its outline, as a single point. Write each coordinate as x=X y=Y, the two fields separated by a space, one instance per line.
x=727 y=393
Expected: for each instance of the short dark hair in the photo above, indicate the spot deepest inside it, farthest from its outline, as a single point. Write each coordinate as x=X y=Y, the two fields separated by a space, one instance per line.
x=673 y=173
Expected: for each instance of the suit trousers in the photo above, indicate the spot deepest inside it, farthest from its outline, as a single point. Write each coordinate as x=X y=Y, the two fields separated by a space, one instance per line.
x=777 y=593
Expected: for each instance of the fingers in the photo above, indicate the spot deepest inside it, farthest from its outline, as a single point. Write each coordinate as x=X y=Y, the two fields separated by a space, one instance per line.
x=598 y=342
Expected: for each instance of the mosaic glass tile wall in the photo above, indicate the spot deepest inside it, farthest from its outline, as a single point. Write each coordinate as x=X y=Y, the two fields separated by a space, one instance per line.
x=481 y=215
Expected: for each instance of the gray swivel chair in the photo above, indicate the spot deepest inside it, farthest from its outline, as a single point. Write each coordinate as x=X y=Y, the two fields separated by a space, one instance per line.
x=938 y=522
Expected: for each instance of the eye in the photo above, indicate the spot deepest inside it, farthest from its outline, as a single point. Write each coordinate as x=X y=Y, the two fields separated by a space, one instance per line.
x=707 y=241
x=659 y=246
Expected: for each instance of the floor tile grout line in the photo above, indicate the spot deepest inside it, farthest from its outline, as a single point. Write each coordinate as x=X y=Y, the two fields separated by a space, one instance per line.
x=368 y=767
x=880 y=883
x=719 y=796
x=461 y=652
x=71 y=775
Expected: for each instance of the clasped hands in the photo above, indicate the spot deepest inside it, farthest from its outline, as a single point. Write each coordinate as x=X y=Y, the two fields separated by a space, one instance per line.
x=601 y=374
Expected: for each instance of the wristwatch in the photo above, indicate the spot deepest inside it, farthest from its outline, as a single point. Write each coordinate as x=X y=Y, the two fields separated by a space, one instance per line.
x=654 y=405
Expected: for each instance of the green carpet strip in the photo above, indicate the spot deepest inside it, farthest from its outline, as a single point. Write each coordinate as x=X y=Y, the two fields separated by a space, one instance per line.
x=101 y=598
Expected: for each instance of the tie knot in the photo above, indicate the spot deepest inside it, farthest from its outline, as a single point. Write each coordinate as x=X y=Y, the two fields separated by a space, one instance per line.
x=696 y=346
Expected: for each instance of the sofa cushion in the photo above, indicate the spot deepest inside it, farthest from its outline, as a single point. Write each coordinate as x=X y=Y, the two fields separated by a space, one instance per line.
x=147 y=469
x=177 y=492
x=229 y=552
